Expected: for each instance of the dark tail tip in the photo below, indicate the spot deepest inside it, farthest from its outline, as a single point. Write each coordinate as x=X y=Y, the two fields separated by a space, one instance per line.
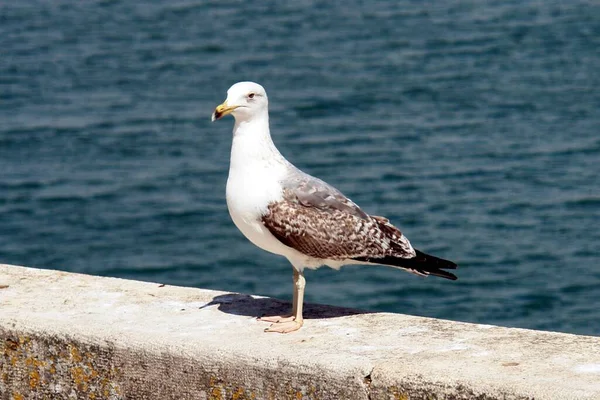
x=432 y=265
x=422 y=263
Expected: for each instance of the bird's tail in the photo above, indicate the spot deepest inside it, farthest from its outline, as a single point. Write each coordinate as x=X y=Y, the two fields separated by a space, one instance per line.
x=422 y=264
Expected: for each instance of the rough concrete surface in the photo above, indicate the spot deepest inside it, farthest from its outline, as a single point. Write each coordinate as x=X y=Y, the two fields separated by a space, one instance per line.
x=71 y=336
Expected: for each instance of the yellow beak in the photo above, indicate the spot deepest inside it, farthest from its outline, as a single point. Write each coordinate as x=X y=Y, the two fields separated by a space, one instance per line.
x=222 y=110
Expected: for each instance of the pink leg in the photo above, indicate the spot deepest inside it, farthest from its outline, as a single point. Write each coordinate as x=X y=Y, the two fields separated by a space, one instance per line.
x=295 y=321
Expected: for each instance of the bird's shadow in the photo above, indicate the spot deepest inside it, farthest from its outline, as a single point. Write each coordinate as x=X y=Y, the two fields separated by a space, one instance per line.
x=243 y=304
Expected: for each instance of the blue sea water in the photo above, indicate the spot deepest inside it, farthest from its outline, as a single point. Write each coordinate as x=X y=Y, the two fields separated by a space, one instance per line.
x=472 y=125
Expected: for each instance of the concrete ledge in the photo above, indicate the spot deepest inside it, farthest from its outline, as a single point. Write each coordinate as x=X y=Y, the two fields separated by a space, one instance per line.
x=74 y=336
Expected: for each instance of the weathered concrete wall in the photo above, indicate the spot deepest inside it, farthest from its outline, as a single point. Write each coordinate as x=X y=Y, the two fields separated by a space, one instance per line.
x=70 y=336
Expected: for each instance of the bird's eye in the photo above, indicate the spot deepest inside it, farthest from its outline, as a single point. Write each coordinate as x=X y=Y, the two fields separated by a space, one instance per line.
x=251 y=95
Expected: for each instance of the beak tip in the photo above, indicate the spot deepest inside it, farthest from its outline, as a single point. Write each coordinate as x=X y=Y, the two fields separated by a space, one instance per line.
x=221 y=111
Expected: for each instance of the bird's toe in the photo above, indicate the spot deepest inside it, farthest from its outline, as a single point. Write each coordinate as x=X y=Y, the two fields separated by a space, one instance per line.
x=277 y=318
x=285 y=327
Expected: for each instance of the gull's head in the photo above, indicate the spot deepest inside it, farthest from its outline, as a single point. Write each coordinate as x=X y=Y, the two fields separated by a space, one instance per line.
x=244 y=101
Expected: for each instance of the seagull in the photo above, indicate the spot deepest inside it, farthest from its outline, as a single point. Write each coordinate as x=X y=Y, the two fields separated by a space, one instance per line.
x=287 y=212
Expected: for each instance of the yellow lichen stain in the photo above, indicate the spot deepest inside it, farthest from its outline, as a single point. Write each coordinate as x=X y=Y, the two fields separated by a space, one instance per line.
x=116 y=388
x=75 y=356
x=33 y=365
x=106 y=387
x=238 y=394
x=24 y=340
x=34 y=379
x=241 y=394
x=216 y=394
x=10 y=348
x=292 y=393
x=34 y=362
x=397 y=394
x=81 y=378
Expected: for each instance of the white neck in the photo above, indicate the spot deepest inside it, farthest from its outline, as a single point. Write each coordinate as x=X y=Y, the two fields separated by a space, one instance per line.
x=252 y=144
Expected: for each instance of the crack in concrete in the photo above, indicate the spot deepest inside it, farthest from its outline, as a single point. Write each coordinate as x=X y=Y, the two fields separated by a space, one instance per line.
x=367 y=381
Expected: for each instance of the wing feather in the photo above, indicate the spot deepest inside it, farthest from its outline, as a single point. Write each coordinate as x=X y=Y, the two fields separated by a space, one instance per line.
x=319 y=221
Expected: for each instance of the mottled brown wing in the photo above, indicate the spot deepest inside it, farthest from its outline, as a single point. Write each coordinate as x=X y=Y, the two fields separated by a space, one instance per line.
x=325 y=224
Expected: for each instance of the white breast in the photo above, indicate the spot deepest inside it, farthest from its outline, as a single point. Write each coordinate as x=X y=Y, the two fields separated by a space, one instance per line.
x=250 y=189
